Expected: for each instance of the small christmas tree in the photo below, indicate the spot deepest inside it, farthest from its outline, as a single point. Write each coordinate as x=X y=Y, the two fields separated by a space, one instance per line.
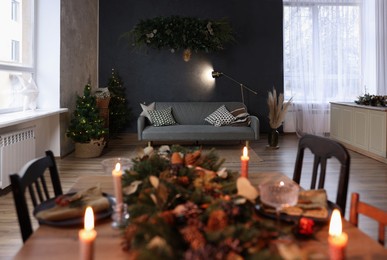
x=119 y=111
x=86 y=123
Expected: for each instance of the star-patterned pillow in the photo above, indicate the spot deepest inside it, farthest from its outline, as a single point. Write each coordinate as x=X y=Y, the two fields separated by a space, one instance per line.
x=146 y=108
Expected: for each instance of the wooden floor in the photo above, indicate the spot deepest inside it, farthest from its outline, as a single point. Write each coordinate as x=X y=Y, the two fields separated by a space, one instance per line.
x=368 y=177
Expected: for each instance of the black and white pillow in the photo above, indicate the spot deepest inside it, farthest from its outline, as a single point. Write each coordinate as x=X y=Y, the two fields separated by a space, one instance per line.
x=242 y=117
x=220 y=117
x=162 y=117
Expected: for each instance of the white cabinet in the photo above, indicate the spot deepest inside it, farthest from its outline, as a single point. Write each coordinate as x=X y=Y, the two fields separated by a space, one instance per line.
x=360 y=128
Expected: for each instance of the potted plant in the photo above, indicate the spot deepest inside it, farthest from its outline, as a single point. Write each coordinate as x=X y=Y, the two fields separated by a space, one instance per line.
x=86 y=127
x=277 y=112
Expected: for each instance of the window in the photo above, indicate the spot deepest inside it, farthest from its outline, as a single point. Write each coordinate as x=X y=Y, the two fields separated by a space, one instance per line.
x=322 y=50
x=17 y=51
x=15 y=10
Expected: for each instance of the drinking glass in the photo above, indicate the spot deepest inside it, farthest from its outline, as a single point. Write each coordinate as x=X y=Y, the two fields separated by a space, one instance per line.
x=279 y=194
x=110 y=164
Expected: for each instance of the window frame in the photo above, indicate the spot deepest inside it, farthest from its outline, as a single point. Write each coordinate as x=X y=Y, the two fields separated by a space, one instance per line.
x=15 y=67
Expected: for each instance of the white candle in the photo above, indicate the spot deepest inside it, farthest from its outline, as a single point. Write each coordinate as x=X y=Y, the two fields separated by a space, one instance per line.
x=117 y=174
x=87 y=236
x=245 y=163
x=337 y=239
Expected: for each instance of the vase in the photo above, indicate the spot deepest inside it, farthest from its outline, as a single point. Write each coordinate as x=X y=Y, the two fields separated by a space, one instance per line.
x=273 y=139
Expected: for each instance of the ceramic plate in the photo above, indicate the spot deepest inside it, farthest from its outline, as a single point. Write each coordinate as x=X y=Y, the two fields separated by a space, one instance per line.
x=73 y=221
x=290 y=218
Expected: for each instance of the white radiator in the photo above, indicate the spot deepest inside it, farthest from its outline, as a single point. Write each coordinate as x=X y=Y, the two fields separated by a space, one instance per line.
x=16 y=149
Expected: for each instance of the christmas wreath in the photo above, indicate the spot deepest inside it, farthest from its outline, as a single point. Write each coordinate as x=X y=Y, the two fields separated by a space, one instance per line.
x=176 y=32
x=183 y=205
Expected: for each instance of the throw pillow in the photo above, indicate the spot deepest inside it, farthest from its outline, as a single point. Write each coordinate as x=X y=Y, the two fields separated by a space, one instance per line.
x=220 y=117
x=146 y=108
x=162 y=117
x=242 y=117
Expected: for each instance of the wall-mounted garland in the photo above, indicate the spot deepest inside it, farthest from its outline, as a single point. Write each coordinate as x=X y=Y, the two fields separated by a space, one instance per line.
x=187 y=33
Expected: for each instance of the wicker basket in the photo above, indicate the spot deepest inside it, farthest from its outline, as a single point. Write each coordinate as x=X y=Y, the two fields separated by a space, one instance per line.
x=89 y=150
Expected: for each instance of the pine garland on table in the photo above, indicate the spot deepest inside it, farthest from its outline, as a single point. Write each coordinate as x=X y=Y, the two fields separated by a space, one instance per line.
x=202 y=217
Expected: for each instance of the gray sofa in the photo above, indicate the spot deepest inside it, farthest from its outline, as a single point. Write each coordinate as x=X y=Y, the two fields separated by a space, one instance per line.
x=191 y=124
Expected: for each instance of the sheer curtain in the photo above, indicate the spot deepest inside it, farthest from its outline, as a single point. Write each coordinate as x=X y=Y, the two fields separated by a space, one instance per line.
x=381 y=46
x=322 y=59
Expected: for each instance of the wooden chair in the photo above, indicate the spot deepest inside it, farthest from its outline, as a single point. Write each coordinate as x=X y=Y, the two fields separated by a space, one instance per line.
x=359 y=207
x=323 y=149
x=31 y=177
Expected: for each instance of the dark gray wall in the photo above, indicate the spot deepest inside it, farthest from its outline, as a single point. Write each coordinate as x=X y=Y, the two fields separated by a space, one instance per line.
x=255 y=59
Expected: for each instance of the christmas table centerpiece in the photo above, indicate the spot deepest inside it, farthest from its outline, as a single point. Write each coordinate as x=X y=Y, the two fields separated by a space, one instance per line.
x=183 y=205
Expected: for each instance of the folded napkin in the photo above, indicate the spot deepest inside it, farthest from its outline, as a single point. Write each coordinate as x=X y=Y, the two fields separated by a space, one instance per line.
x=311 y=203
x=76 y=205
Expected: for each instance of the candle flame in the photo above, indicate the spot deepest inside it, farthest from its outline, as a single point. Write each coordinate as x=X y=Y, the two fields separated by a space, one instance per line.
x=245 y=153
x=281 y=183
x=335 y=226
x=118 y=166
x=89 y=219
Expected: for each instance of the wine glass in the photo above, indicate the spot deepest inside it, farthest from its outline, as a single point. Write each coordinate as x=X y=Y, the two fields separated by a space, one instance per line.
x=279 y=194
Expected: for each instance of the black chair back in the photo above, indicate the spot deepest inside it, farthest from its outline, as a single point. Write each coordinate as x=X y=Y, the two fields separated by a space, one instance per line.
x=31 y=177
x=323 y=149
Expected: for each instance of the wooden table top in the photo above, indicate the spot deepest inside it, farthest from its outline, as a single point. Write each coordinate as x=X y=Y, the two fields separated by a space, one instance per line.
x=62 y=242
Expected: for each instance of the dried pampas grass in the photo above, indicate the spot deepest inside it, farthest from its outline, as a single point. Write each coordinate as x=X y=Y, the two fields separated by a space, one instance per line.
x=277 y=108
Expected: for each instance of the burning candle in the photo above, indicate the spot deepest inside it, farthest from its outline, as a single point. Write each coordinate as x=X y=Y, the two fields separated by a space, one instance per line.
x=337 y=239
x=245 y=163
x=87 y=236
x=117 y=174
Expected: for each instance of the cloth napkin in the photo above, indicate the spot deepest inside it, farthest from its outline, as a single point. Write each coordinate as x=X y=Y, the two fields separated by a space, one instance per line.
x=76 y=208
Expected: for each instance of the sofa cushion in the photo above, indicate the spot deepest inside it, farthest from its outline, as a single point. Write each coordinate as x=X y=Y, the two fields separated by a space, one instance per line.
x=194 y=113
x=242 y=117
x=197 y=133
x=220 y=117
x=162 y=117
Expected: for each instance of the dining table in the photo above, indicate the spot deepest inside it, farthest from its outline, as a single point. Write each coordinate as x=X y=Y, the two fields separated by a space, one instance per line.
x=52 y=242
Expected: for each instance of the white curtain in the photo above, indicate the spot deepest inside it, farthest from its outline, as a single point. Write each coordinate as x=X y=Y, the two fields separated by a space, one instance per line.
x=381 y=46
x=322 y=59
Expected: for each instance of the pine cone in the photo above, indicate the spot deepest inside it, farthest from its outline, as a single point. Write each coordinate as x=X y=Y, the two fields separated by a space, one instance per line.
x=193 y=236
x=217 y=221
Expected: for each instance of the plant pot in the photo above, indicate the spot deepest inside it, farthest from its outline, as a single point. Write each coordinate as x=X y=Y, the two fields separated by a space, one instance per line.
x=89 y=150
x=272 y=139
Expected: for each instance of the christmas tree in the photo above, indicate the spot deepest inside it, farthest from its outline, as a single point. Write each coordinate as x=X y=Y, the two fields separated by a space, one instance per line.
x=86 y=123
x=119 y=111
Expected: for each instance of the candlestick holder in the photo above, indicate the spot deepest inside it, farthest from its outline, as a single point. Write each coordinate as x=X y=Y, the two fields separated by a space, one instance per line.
x=120 y=216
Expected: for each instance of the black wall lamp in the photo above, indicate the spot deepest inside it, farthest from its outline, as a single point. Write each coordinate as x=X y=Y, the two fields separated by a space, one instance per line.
x=217 y=74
